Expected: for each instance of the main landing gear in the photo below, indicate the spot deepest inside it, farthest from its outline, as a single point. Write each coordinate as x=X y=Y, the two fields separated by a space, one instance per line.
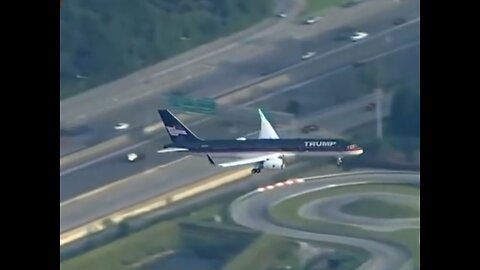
x=339 y=161
x=256 y=170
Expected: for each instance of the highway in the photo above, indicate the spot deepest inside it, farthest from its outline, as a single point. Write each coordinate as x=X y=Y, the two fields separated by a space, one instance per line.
x=257 y=58
x=404 y=62
x=126 y=184
x=176 y=69
x=250 y=211
x=159 y=179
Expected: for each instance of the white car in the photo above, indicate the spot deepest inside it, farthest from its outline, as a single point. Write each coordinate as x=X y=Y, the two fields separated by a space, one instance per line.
x=132 y=157
x=308 y=55
x=311 y=20
x=358 y=35
x=282 y=15
x=121 y=126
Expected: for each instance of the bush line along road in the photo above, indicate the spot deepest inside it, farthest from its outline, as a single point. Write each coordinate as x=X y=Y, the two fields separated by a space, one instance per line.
x=78 y=182
x=276 y=50
x=371 y=47
x=149 y=184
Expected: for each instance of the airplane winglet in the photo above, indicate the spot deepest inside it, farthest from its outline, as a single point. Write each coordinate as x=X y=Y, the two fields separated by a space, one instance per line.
x=210 y=160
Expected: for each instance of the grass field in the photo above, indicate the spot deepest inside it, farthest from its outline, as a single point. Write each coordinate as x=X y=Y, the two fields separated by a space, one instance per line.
x=376 y=208
x=286 y=213
x=314 y=6
x=264 y=252
x=119 y=255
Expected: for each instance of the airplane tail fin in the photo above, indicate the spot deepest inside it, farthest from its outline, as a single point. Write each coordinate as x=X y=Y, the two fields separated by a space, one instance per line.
x=266 y=129
x=175 y=128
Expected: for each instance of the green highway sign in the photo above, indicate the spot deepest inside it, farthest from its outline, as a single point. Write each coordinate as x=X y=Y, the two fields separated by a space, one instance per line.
x=197 y=105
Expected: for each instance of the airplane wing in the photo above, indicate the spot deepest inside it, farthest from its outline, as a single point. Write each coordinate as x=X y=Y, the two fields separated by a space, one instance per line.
x=266 y=130
x=243 y=161
x=172 y=149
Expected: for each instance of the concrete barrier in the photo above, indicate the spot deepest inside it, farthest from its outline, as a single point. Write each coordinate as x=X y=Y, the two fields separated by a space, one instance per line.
x=85 y=153
x=155 y=203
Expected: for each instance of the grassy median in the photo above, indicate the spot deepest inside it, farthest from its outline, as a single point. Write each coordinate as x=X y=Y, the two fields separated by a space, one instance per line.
x=123 y=253
x=287 y=213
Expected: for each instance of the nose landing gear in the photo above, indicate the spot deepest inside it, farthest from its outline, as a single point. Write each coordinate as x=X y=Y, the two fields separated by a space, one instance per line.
x=339 y=161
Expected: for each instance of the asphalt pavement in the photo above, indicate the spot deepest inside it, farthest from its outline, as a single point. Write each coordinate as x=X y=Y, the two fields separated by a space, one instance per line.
x=116 y=167
x=333 y=61
x=330 y=209
x=141 y=185
x=250 y=211
x=166 y=73
x=272 y=52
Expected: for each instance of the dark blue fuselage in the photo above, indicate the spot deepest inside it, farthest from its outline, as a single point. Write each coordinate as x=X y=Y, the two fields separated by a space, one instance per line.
x=312 y=146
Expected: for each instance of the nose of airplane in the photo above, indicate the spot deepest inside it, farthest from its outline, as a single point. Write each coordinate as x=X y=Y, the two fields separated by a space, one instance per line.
x=355 y=149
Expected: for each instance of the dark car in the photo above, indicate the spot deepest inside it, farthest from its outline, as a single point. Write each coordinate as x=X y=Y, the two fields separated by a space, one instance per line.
x=370 y=107
x=358 y=64
x=399 y=21
x=309 y=128
x=348 y=4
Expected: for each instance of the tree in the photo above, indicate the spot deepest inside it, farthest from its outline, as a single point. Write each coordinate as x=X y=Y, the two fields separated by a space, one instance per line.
x=293 y=107
x=372 y=77
x=404 y=121
x=405 y=113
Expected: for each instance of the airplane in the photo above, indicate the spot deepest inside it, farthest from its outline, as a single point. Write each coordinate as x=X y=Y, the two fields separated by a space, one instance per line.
x=266 y=152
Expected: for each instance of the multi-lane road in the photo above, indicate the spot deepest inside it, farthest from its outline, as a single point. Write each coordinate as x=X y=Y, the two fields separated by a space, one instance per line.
x=159 y=179
x=325 y=73
x=250 y=211
x=84 y=177
x=252 y=60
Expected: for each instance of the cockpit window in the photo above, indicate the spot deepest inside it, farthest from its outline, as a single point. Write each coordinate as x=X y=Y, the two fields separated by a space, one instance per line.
x=352 y=147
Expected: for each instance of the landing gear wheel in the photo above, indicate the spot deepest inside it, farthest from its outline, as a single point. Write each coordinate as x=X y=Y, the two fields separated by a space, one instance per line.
x=339 y=161
x=255 y=171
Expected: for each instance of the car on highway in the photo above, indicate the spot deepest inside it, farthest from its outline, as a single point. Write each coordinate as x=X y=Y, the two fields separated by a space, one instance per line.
x=281 y=15
x=309 y=128
x=358 y=36
x=311 y=20
x=120 y=126
x=308 y=55
x=370 y=107
x=132 y=157
x=399 y=21
x=358 y=64
x=348 y=4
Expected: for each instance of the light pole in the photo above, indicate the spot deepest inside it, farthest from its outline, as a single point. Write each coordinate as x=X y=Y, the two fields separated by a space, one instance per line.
x=378 y=108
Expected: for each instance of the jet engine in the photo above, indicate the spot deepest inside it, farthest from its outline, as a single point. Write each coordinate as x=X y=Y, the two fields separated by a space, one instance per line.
x=274 y=163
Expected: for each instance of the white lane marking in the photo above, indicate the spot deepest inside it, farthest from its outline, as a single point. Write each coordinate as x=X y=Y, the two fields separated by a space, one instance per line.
x=116 y=183
x=347 y=46
x=102 y=158
x=203 y=120
x=154 y=127
x=304 y=83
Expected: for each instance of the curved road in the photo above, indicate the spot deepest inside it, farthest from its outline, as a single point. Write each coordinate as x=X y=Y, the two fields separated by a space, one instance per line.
x=329 y=209
x=249 y=210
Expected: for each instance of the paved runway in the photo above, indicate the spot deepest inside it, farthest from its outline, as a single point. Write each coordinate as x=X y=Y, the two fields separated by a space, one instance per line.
x=281 y=50
x=249 y=211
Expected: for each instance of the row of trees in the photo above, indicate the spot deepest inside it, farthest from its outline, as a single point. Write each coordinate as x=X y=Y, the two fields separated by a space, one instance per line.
x=103 y=40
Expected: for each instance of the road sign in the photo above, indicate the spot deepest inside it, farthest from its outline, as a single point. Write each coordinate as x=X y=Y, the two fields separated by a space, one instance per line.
x=197 y=105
